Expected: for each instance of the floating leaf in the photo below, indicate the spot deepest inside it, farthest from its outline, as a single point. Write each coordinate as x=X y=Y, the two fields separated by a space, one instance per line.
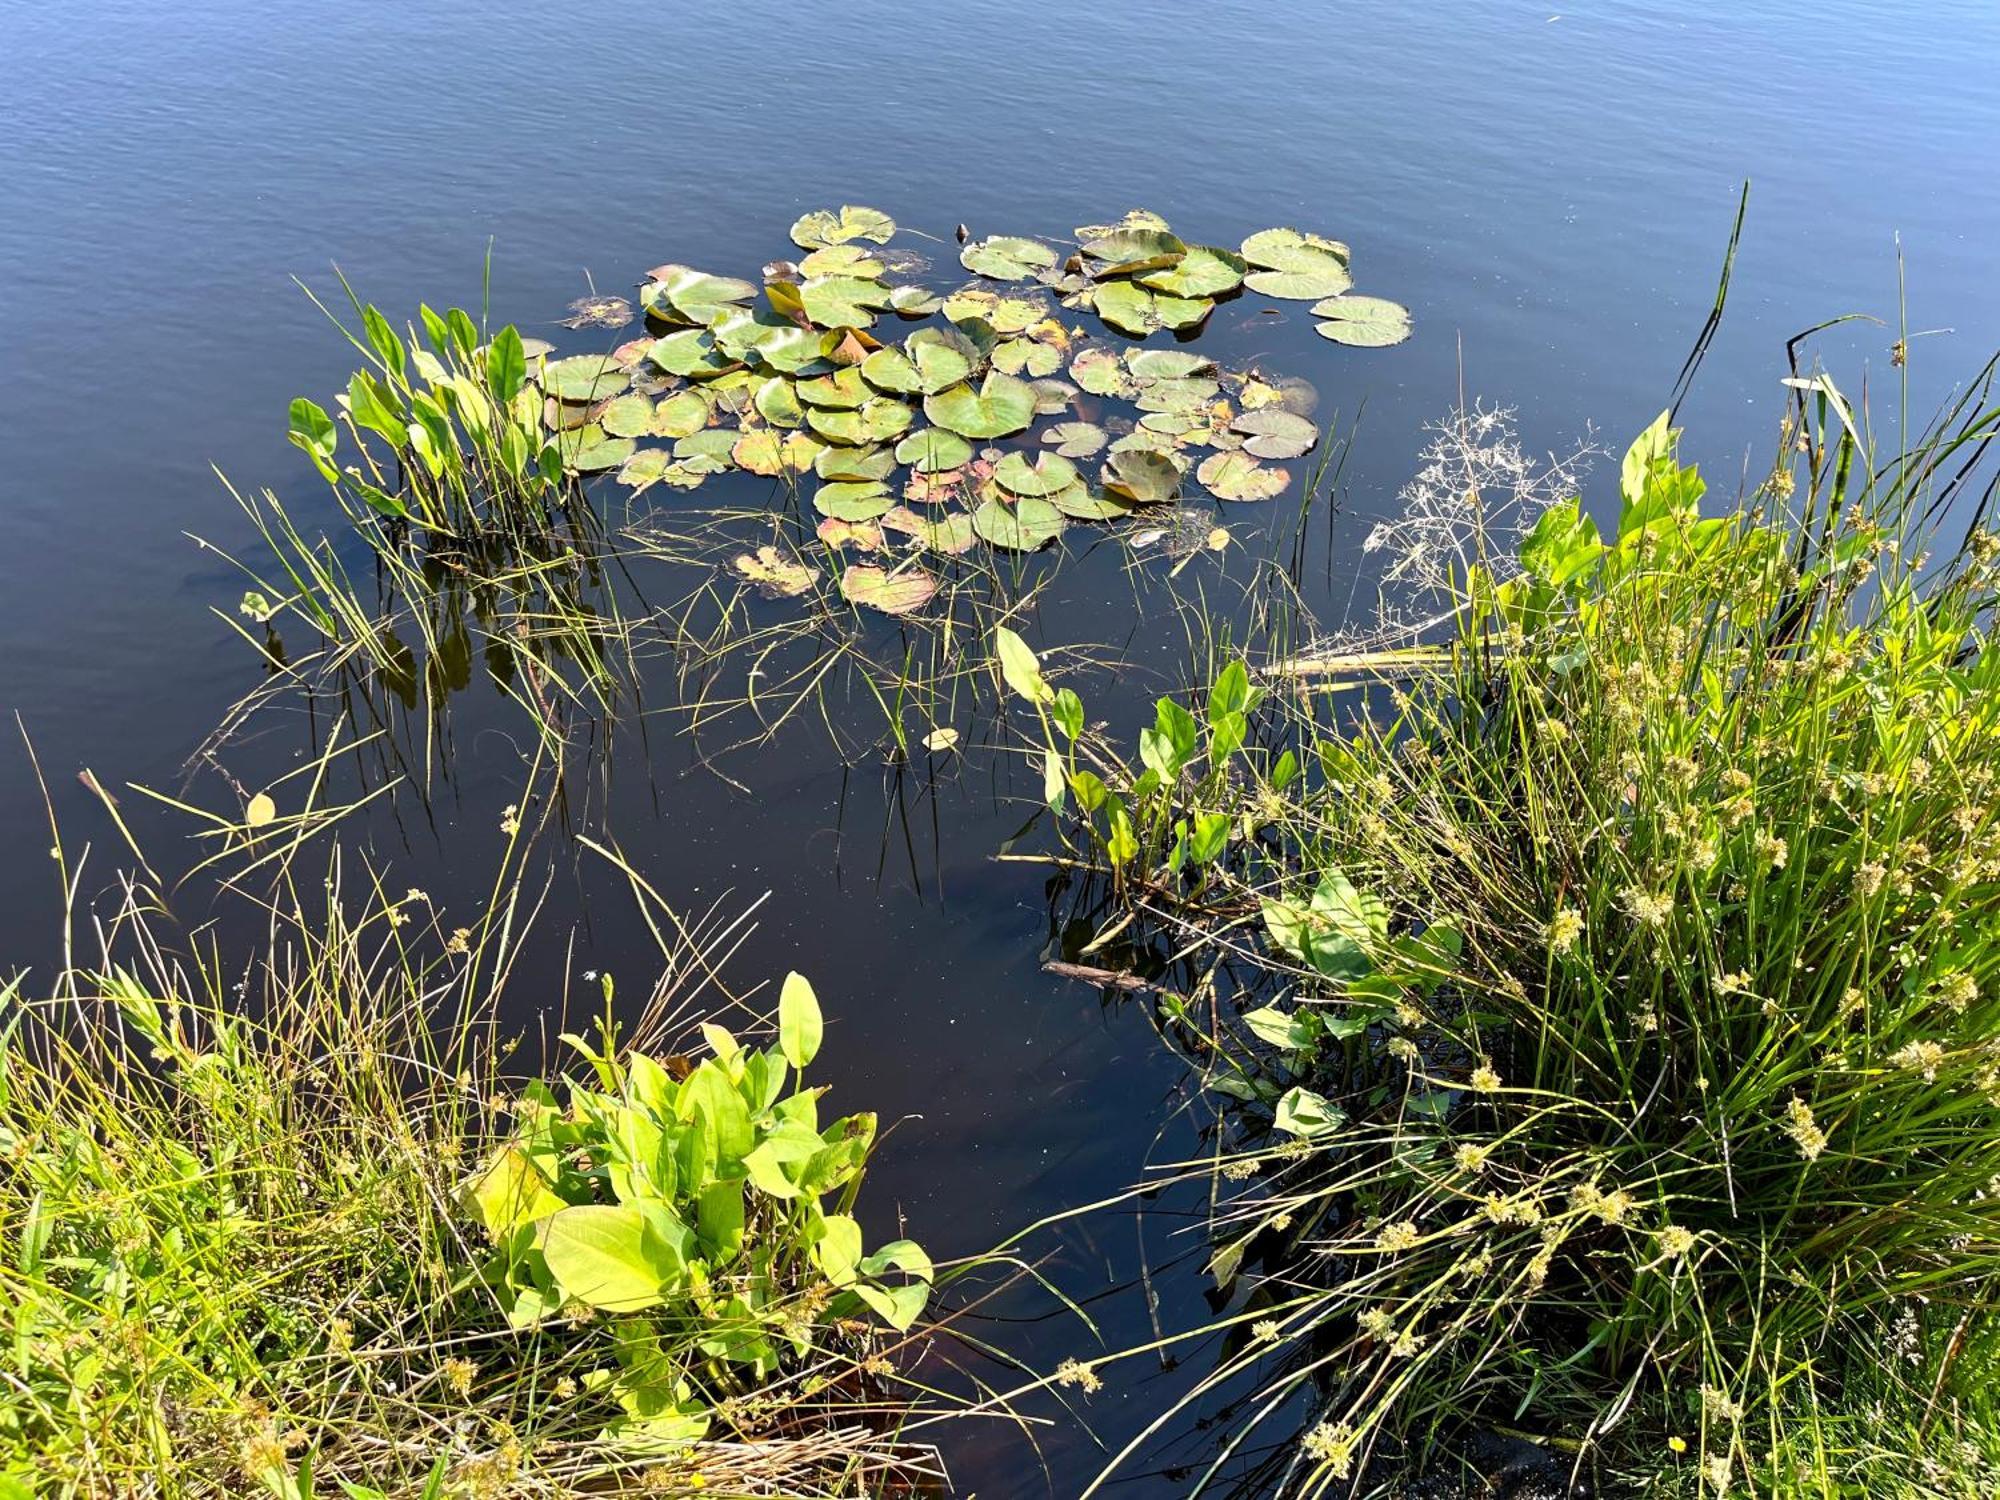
x=1182 y=396
x=1273 y=432
x=692 y=353
x=644 y=469
x=875 y=421
x=1101 y=372
x=1075 y=439
x=890 y=369
x=1027 y=357
x=1128 y=251
x=1205 y=271
x=933 y=450
x=627 y=416
x=843 y=390
x=854 y=465
x=821 y=228
x=1002 y=405
x=1135 y=218
x=953 y=535
x=260 y=811
x=842 y=301
x=940 y=739
x=1365 y=322
x=852 y=501
x=1007 y=257
x=843 y=260
x=760 y=451
x=863 y=536
x=895 y=593
x=1237 y=476
x=1040 y=478
x=584 y=377
x=1130 y=308
x=904 y=521
x=1080 y=504
x=934 y=489
x=711 y=443
x=598 y=312
x=1167 y=364
x=1142 y=475
x=1052 y=396
x=779 y=576
x=1295 y=265
x=1021 y=527
x=598 y=453
x=915 y=301
x=777 y=402
x=940 y=363
x=685 y=295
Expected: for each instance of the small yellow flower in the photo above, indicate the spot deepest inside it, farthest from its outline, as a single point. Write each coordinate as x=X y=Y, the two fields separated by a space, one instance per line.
x=458 y=1375
x=1484 y=1079
x=1565 y=927
x=1075 y=1372
x=1398 y=1237
x=1674 y=1241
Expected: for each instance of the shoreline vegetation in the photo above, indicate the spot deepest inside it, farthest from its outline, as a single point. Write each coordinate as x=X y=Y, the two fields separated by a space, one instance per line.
x=1587 y=963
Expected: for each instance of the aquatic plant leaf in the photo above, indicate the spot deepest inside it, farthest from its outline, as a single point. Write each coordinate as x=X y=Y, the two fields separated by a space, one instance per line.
x=1024 y=526
x=260 y=811
x=644 y=469
x=778 y=403
x=821 y=228
x=1182 y=396
x=904 y=521
x=843 y=260
x=1129 y=251
x=874 y=421
x=856 y=501
x=897 y=593
x=800 y=1026
x=1167 y=364
x=711 y=443
x=1052 y=396
x=795 y=351
x=690 y=352
x=1080 y=504
x=854 y=465
x=1027 y=357
x=933 y=450
x=1300 y=286
x=769 y=452
x=890 y=369
x=1075 y=439
x=843 y=390
x=1290 y=250
x=1142 y=475
x=939 y=365
x=934 y=489
x=687 y=295
x=774 y=573
x=606 y=1255
x=1365 y=322
x=583 y=377
x=1237 y=476
x=1273 y=432
x=1130 y=308
x=1001 y=406
x=1135 y=218
x=952 y=535
x=1205 y=271
x=842 y=301
x=915 y=301
x=1101 y=372
x=939 y=740
x=1040 y=477
x=627 y=416
x=599 y=453
x=1006 y=257
x=863 y=536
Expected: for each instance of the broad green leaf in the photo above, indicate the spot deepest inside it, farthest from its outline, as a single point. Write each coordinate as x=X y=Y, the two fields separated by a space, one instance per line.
x=1019 y=667
x=1001 y=406
x=1365 y=322
x=799 y=1024
x=607 y=1256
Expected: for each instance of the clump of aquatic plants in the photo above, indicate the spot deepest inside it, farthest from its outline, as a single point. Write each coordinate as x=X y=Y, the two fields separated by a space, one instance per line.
x=292 y=1225
x=1623 y=1065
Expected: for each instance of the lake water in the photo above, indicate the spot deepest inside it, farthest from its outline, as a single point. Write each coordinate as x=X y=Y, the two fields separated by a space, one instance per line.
x=1549 y=187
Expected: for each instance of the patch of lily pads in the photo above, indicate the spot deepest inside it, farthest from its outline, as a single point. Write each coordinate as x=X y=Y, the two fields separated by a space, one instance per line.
x=919 y=423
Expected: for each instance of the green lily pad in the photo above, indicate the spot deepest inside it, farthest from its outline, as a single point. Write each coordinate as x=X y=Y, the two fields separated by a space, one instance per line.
x=1135 y=218
x=1295 y=265
x=1039 y=478
x=1273 y=432
x=1027 y=357
x=1002 y=405
x=777 y=402
x=1075 y=439
x=795 y=351
x=1130 y=308
x=1001 y=315
x=691 y=473
x=863 y=536
x=821 y=228
x=1237 y=476
x=933 y=451
x=1142 y=475
x=898 y=593
x=874 y=421
x=713 y=442
x=644 y=469
x=1365 y=322
x=1079 y=504
x=854 y=465
x=584 y=377
x=1052 y=396
x=775 y=574
x=1205 y=271
x=857 y=501
x=1190 y=394
x=589 y=451
x=760 y=451
x=842 y=301
x=685 y=295
x=691 y=352
x=627 y=416
x=1007 y=257
x=1101 y=372
x=953 y=534
x=890 y=369
x=1167 y=364
x=843 y=260
x=1024 y=526
x=915 y=301
x=903 y=521
x=843 y=390
x=1130 y=251
x=941 y=361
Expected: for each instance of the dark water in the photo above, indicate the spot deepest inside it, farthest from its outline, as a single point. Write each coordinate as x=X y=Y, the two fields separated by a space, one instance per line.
x=1550 y=188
